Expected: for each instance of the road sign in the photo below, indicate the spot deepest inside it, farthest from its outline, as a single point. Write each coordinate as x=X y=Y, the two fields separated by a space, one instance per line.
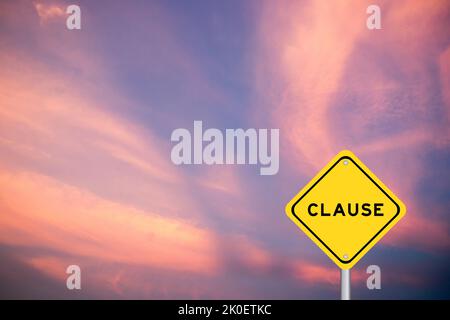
x=345 y=209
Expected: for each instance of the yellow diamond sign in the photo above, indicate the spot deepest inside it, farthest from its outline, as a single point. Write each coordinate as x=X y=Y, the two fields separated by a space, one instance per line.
x=345 y=209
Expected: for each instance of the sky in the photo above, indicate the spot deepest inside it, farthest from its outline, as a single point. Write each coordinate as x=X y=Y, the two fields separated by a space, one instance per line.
x=85 y=123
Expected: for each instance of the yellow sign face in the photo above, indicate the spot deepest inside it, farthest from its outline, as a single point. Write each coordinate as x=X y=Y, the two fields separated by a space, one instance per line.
x=345 y=209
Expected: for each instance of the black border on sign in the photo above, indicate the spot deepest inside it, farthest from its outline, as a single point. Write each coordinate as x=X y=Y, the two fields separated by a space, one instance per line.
x=315 y=235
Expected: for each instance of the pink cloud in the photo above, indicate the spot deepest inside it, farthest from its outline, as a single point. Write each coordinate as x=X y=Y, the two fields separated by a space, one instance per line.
x=51 y=266
x=307 y=57
x=78 y=210
x=71 y=220
x=420 y=233
x=315 y=54
x=307 y=48
x=48 y=12
x=78 y=177
x=53 y=124
x=312 y=273
x=59 y=123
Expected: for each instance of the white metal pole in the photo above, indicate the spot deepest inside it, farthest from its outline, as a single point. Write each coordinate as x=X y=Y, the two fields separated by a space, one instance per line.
x=345 y=284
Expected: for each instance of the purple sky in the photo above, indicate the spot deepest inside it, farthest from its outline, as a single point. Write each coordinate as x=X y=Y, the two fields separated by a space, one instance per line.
x=85 y=124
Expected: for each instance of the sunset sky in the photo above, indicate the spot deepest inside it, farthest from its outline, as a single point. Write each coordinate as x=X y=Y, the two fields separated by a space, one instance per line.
x=86 y=118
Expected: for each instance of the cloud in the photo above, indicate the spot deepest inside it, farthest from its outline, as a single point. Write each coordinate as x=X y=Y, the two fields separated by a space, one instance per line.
x=49 y=12
x=80 y=179
x=61 y=127
x=68 y=219
x=106 y=184
x=331 y=84
x=307 y=56
x=420 y=233
x=311 y=273
x=85 y=172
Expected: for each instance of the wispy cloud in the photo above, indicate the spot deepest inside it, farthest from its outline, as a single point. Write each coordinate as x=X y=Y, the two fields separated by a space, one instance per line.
x=85 y=120
x=335 y=85
x=49 y=11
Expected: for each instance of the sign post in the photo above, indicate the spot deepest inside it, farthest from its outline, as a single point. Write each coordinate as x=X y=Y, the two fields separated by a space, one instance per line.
x=345 y=210
x=345 y=284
